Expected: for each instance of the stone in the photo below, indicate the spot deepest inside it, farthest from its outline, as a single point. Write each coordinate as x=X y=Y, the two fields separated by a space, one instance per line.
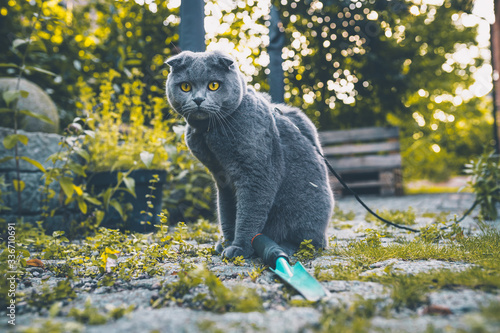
x=461 y=301
x=40 y=147
x=38 y=102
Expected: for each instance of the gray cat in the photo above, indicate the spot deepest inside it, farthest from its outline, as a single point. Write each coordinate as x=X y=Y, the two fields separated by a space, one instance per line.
x=263 y=157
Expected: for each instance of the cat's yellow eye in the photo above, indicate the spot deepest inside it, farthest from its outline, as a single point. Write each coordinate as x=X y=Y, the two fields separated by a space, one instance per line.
x=214 y=85
x=185 y=87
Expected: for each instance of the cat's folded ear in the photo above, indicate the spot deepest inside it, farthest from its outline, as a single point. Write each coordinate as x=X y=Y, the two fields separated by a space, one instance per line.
x=224 y=60
x=177 y=62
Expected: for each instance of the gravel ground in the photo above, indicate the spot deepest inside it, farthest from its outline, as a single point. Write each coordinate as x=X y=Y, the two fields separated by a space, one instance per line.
x=460 y=306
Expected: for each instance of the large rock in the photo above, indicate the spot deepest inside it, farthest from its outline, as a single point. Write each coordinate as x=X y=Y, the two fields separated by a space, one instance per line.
x=40 y=146
x=38 y=102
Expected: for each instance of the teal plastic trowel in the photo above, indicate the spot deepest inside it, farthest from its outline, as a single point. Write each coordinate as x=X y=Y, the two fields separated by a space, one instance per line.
x=296 y=276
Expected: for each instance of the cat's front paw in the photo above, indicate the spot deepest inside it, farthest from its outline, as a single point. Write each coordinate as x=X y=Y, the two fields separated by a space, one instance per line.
x=236 y=251
x=219 y=247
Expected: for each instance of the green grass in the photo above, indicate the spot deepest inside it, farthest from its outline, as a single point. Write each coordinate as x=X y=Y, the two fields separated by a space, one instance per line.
x=409 y=291
x=404 y=217
x=433 y=189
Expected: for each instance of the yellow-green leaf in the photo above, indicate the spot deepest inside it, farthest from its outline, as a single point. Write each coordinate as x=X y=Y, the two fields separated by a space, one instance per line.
x=99 y=216
x=78 y=190
x=5 y=159
x=106 y=196
x=33 y=162
x=41 y=117
x=82 y=205
x=18 y=185
x=10 y=141
x=67 y=186
x=130 y=184
x=41 y=70
x=10 y=95
x=92 y=200
x=116 y=205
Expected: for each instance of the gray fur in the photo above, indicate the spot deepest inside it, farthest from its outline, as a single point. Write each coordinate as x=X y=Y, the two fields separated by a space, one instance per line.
x=263 y=157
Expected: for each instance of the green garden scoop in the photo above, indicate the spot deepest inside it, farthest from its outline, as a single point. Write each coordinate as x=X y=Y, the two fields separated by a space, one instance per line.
x=296 y=276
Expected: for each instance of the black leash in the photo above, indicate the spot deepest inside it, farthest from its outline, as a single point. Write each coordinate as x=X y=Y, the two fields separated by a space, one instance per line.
x=332 y=170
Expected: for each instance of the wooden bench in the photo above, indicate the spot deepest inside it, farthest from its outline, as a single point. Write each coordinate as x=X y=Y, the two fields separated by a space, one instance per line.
x=368 y=159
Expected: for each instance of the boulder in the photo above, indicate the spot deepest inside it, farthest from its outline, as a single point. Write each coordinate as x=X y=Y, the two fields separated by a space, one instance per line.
x=38 y=102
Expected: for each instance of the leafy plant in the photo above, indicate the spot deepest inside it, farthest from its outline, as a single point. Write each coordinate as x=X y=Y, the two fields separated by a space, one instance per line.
x=11 y=98
x=485 y=183
x=127 y=132
x=3 y=207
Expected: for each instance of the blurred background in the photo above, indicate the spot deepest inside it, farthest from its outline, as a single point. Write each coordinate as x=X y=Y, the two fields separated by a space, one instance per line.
x=421 y=65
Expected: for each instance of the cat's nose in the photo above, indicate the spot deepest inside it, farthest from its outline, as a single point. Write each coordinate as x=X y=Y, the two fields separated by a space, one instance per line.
x=198 y=100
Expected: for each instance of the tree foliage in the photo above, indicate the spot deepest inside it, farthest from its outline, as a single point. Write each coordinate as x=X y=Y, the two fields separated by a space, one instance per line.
x=348 y=63
x=377 y=63
x=80 y=40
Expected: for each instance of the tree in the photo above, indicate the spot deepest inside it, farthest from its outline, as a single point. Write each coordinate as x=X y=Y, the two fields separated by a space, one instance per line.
x=354 y=63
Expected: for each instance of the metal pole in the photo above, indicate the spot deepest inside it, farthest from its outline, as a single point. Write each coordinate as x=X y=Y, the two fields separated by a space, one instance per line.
x=495 y=62
x=276 y=42
x=192 y=30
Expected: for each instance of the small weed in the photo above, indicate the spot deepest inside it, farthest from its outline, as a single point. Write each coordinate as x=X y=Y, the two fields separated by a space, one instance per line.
x=441 y=217
x=306 y=251
x=407 y=290
x=404 y=217
x=340 y=216
x=346 y=272
x=492 y=312
x=301 y=303
x=485 y=172
x=48 y=295
x=209 y=326
x=237 y=261
x=62 y=271
x=218 y=299
x=256 y=272
x=53 y=326
x=436 y=232
x=352 y=319
x=90 y=315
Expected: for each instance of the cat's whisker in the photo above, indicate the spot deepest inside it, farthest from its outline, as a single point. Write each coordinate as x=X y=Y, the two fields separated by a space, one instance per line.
x=228 y=123
x=221 y=123
x=225 y=123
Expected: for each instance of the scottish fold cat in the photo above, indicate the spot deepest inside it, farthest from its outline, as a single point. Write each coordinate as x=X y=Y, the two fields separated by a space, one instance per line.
x=263 y=157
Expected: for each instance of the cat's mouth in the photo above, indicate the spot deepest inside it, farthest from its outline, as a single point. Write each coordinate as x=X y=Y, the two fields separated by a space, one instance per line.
x=196 y=114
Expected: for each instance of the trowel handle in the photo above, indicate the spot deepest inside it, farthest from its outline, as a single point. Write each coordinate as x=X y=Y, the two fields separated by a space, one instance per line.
x=268 y=250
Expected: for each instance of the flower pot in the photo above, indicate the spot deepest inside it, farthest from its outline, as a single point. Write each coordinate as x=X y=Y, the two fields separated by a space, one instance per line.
x=100 y=181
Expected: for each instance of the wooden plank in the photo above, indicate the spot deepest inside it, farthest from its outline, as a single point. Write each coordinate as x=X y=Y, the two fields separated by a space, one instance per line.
x=358 y=134
x=364 y=183
x=351 y=149
x=366 y=163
